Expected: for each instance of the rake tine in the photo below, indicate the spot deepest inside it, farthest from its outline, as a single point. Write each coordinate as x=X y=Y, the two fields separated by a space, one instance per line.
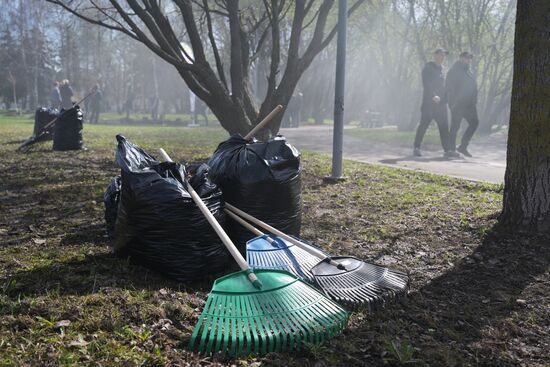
x=345 y=279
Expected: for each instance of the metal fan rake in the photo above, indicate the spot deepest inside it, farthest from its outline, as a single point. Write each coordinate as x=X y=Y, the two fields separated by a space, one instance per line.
x=347 y=280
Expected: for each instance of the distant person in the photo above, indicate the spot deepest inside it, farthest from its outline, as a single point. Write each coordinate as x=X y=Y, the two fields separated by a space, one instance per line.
x=293 y=113
x=462 y=96
x=193 y=108
x=434 y=105
x=202 y=109
x=286 y=117
x=295 y=107
x=155 y=102
x=66 y=93
x=95 y=104
x=55 y=96
x=129 y=104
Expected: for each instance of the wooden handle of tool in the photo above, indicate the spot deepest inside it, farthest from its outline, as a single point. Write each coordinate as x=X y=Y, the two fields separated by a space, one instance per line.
x=247 y=225
x=264 y=122
x=216 y=226
x=165 y=155
x=275 y=231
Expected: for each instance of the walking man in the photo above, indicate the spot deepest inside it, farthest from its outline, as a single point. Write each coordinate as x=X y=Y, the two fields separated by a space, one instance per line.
x=55 y=96
x=95 y=104
x=462 y=96
x=434 y=104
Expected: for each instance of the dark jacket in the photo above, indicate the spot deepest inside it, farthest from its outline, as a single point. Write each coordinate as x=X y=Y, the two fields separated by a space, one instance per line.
x=95 y=99
x=433 y=82
x=461 y=86
x=55 y=97
x=66 y=93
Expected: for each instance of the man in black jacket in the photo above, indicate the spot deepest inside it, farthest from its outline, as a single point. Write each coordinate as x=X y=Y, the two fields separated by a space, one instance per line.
x=434 y=104
x=462 y=97
x=95 y=104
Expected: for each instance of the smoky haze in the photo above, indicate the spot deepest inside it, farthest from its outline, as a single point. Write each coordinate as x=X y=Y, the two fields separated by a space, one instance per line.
x=388 y=43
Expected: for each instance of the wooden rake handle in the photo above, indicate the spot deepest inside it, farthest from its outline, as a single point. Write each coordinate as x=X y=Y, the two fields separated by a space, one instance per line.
x=218 y=228
x=244 y=223
x=275 y=231
x=264 y=122
x=247 y=225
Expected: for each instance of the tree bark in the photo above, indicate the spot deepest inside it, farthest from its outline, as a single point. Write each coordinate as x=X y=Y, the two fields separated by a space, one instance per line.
x=527 y=180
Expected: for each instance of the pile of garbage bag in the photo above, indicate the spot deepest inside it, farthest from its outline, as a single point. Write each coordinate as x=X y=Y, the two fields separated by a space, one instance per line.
x=68 y=130
x=157 y=224
x=43 y=116
x=152 y=219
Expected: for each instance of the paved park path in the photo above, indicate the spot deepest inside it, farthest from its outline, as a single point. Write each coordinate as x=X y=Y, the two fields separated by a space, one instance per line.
x=488 y=163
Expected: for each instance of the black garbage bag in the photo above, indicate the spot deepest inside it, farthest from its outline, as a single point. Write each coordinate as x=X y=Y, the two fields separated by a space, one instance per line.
x=42 y=117
x=68 y=130
x=158 y=225
x=111 y=198
x=261 y=178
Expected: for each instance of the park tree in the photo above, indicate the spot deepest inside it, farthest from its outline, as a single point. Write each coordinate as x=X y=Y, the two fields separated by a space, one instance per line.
x=308 y=25
x=390 y=40
x=527 y=180
x=9 y=88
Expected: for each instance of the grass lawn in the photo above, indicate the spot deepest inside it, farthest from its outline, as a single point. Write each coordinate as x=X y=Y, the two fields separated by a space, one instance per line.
x=478 y=297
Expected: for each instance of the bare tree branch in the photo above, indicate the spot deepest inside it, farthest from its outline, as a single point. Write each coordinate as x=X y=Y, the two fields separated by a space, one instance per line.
x=93 y=21
x=219 y=64
x=273 y=13
x=151 y=23
x=194 y=36
x=236 y=67
x=334 y=29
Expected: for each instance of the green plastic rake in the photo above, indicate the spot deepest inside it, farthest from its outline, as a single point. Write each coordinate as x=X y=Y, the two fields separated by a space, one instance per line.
x=261 y=311
x=239 y=319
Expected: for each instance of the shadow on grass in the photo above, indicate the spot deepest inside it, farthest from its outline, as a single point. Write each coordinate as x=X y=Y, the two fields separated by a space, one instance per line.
x=56 y=195
x=58 y=189
x=85 y=234
x=471 y=301
x=90 y=275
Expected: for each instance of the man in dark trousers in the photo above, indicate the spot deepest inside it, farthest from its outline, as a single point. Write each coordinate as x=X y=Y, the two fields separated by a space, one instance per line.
x=95 y=104
x=434 y=104
x=462 y=97
x=55 y=96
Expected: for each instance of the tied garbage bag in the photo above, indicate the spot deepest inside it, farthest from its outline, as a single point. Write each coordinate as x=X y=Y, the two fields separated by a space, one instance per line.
x=42 y=117
x=68 y=130
x=158 y=225
x=262 y=179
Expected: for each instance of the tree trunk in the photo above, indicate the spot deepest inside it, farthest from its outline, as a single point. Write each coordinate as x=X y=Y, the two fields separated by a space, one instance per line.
x=527 y=181
x=14 y=96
